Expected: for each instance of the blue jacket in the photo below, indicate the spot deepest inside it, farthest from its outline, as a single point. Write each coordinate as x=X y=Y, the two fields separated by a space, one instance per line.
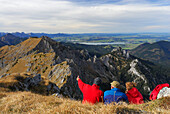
x=114 y=95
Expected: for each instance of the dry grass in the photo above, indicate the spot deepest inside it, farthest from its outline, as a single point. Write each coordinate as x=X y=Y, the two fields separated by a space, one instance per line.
x=27 y=102
x=161 y=105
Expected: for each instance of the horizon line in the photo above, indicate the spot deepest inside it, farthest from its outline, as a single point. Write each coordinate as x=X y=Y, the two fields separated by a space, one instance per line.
x=93 y=33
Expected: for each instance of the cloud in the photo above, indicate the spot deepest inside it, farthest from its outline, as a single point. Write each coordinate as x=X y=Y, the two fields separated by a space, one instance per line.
x=154 y=27
x=106 y=16
x=121 y=2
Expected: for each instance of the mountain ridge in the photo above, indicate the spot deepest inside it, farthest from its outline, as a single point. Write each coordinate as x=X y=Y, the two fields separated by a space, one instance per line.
x=158 y=52
x=61 y=65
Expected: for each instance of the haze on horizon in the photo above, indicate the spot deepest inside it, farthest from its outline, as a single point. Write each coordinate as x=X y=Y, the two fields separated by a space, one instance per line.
x=85 y=16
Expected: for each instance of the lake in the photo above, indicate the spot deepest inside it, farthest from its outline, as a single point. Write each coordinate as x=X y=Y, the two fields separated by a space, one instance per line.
x=108 y=43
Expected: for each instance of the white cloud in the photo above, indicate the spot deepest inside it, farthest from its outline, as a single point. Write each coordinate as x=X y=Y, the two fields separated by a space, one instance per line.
x=66 y=16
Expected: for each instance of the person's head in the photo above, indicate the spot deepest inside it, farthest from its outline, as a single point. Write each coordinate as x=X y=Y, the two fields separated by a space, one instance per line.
x=97 y=81
x=115 y=84
x=130 y=85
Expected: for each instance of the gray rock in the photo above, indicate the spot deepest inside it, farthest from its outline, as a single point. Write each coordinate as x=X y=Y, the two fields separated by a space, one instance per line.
x=52 y=88
x=37 y=78
x=2 y=76
x=127 y=55
x=27 y=84
x=58 y=95
x=124 y=52
x=29 y=69
x=94 y=58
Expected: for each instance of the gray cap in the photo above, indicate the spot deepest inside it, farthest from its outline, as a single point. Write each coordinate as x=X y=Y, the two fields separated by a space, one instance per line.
x=97 y=81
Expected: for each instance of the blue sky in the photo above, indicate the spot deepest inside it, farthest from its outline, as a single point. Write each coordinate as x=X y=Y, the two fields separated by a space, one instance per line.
x=85 y=16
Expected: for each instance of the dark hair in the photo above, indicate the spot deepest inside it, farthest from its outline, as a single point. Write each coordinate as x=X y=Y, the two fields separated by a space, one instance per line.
x=97 y=81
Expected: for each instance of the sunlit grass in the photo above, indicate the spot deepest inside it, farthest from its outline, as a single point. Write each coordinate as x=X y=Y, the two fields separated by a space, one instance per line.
x=27 y=102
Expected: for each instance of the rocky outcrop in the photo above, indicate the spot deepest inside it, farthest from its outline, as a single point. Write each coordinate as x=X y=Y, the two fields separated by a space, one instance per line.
x=28 y=83
x=52 y=88
x=59 y=73
x=138 y=77
x=133 y=71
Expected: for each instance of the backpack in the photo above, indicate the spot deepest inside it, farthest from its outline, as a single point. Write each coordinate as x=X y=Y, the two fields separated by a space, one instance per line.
x=155 y=92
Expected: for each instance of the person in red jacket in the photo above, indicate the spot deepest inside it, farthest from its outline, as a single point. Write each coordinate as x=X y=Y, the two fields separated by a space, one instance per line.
x=91 y=94
x=134 y=96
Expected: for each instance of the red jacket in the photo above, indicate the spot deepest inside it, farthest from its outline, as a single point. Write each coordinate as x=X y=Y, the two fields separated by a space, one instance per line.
x=155 y=92
x=91 y=94
x=134 y=96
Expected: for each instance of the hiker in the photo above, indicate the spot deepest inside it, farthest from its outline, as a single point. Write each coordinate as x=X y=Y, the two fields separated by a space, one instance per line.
x=134 y=96
x=161 y=90
x=114 y=95
x=91 y=94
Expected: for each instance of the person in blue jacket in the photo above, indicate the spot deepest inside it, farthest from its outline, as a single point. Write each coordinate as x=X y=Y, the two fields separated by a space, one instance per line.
x=114 y=95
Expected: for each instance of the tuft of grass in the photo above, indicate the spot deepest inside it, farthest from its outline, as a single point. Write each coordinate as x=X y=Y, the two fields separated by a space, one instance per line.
x=157 y=106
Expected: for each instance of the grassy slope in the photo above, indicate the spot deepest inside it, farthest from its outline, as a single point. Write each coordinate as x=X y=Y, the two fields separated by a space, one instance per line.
x=27 y=102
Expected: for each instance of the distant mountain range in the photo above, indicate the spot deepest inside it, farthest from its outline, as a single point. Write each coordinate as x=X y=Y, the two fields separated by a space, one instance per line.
x=10 y=39
x=126 y=35
x=27 y=35
x=158 y=52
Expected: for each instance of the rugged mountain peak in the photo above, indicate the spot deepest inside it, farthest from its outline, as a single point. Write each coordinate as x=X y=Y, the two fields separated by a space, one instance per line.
x=47 y=38
x=28 y=46
x=121 y=52
x=10 y=55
